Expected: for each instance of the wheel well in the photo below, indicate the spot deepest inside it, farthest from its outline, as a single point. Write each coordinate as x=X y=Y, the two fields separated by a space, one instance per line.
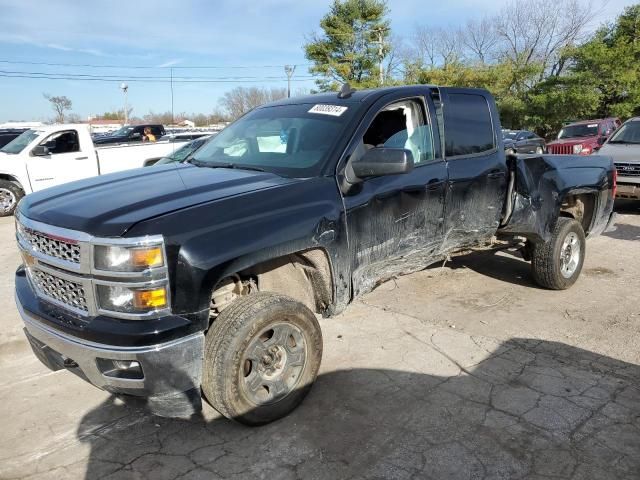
x=9 y=178
x=580 y=207
x=304 y=276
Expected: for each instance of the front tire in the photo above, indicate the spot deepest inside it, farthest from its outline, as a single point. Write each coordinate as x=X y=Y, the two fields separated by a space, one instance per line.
x=262 y=355
x=10 y=195
x=557 y=264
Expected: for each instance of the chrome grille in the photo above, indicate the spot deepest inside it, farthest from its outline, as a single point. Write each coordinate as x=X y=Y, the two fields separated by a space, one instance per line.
x=53 y=247
x=628 y=169
x=560 y=149
x=61 y=290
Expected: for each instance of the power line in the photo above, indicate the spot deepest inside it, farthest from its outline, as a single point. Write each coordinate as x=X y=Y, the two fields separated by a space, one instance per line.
x=154 y=77
x=116 y=80
x=89 y=65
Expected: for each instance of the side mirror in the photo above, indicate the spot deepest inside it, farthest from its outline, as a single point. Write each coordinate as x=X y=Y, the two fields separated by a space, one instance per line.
x=40 y=151
x=377 y=162
x=135 y=135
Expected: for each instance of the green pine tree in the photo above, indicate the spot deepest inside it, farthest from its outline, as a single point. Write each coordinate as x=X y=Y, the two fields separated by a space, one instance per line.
x=349 y=49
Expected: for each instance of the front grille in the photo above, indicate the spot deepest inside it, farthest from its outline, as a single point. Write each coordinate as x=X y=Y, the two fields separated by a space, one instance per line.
x=53 y=247
x=560 y=149
x=59 y=289
x=628 y=169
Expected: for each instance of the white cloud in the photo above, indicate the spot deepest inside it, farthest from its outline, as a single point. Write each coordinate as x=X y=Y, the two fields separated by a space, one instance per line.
x=169 y=63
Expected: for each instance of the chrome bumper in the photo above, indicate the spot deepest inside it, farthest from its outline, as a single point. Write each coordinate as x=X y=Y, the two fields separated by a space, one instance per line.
x=171 y=371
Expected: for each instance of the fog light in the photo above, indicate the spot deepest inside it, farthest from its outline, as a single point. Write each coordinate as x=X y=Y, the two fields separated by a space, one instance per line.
x=129 y=369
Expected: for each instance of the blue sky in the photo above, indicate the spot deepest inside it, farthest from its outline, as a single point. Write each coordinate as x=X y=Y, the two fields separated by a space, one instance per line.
x=159 y=33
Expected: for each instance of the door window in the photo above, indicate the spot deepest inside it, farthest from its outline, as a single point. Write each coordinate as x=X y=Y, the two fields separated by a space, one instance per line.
x=62 y=142
x=468 y=127
x=402 y=125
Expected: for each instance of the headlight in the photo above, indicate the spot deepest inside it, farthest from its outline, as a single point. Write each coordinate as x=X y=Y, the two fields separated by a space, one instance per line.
x=116 y=298
x=115 y=258
x=577 y=149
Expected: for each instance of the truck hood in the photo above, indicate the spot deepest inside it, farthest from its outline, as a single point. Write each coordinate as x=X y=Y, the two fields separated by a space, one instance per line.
x=622 y=152
x=109 y=205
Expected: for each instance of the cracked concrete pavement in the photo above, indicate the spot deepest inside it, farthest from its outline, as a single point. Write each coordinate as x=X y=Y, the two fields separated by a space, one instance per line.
x=466 y=371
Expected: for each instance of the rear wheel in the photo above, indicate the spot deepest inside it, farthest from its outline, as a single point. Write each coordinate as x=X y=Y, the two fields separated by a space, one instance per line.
x=262 y=354
x=557 y=264
x=539 y=150
x=10 y=195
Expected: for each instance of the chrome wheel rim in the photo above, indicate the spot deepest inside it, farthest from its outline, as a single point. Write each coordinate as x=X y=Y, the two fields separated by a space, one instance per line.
x=7 y=200
x=570 y=255
x=273 y=363
x=539 y=150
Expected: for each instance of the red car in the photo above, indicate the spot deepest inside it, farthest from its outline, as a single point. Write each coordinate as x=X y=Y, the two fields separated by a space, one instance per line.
x=584 y=137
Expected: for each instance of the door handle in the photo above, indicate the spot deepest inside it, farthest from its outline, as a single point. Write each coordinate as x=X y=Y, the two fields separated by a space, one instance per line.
x=496 y=174
x=81 y=158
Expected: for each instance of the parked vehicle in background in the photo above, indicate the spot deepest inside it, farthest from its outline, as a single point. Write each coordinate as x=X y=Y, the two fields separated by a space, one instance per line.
x=584 y=137
x=179 y=155
x=522 y=141
x=50 y=155
x=206 y=276
x=624 y=148
x=8 y=134
x=130 y=133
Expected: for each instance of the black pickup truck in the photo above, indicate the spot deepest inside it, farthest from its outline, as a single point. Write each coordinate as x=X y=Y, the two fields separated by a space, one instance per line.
x=207 y=276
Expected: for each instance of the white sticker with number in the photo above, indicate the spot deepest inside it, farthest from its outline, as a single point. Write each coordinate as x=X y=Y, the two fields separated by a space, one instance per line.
x=333 y=110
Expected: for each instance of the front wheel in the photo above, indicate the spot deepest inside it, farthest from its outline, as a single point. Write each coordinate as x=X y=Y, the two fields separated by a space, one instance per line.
x=262 y=354
x=557 y=264
x=10 y=195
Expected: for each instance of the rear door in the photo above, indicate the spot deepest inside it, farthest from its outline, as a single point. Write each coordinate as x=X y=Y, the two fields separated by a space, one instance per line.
x=477 y=167
x=66 y=161
x=395 y=222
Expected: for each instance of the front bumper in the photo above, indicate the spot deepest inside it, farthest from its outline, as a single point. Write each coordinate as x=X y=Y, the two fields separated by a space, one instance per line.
x=628 y=190
x=170 y=376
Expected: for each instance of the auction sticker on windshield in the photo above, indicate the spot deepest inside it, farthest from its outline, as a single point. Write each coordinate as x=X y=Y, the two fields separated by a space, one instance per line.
x=333 y=110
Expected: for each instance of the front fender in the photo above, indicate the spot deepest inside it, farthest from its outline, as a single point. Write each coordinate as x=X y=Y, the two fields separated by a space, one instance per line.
x=208 y=242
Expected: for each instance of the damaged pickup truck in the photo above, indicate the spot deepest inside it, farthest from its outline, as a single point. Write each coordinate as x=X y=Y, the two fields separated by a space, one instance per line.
x=205 y=278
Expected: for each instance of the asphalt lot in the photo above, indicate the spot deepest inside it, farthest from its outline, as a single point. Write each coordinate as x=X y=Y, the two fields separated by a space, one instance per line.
x=461 y=371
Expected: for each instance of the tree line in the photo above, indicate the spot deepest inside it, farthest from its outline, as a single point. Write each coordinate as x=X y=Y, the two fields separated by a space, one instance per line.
x=537 y=57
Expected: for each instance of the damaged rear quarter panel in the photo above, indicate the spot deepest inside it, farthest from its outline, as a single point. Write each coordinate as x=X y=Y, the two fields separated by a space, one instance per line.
x=543 y=182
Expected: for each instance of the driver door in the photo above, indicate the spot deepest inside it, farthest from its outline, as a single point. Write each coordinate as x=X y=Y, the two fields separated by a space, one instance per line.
x=395 y=222
x=64 y=162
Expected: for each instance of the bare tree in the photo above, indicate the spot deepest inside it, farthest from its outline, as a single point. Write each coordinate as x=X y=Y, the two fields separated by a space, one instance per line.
x=394 y=60
x=425 y=40
x=539 y=30
x=59 y=104
x=435 y=47
x=240 y=100
x=480 y=38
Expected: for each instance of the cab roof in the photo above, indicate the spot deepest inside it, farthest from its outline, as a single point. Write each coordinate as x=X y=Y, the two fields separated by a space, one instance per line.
x=358 y=96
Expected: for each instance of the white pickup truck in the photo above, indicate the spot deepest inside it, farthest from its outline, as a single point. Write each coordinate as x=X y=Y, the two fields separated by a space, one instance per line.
x=53 y=154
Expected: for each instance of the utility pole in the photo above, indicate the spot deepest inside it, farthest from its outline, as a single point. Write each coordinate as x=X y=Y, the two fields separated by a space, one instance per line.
x=289 y=69
x=380 y=43
x=125 y=88
x=172 y=118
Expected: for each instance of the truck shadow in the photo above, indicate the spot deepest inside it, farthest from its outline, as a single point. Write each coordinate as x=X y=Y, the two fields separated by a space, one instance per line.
x=627 y=206
x=528 y=408
x=504 y=265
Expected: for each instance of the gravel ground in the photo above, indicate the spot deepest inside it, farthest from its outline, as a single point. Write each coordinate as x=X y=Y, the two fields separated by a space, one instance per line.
x=462 y=371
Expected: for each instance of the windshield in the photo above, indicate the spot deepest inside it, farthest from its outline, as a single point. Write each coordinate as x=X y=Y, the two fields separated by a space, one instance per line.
x=19 y=143
x=122 y=132
x=579 y=130
x=628 y=133
x=290 y=140
x=182 y=153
